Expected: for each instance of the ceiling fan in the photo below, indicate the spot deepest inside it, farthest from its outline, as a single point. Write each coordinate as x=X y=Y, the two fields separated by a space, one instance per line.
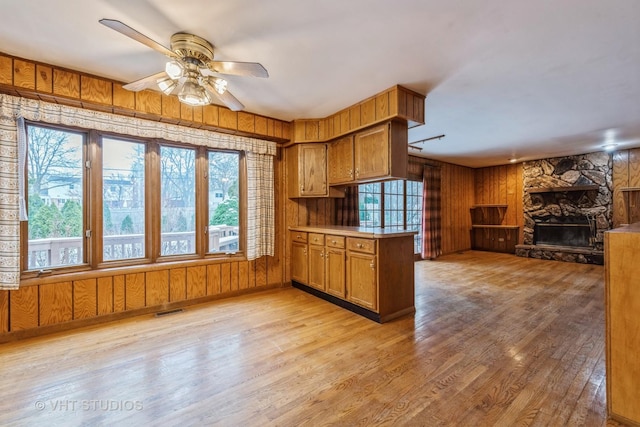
x=191 y=72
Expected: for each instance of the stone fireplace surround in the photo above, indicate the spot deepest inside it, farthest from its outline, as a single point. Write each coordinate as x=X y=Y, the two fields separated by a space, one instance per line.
x=567 y=207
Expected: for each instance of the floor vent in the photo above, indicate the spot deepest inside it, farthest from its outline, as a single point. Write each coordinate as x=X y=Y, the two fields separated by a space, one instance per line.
x=166 y=313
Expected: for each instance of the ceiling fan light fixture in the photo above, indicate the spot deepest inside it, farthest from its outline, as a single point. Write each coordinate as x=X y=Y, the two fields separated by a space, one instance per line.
x=220 y=85
x=166 y=85
x=174 y=69
x=193 y=94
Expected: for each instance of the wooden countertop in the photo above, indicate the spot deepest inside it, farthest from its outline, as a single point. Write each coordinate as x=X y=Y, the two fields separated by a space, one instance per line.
x=342 y=230
x=628 y=228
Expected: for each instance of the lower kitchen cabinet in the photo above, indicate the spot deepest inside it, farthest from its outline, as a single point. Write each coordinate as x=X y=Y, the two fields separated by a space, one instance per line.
x=370 y=273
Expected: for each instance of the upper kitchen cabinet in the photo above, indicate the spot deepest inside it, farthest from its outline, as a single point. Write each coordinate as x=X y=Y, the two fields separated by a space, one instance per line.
x=307 y=171
x=376 y=153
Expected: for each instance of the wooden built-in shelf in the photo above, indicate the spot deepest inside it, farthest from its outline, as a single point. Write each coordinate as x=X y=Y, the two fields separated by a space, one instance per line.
x=487 y=231
x=564 y=189
x=487 y=218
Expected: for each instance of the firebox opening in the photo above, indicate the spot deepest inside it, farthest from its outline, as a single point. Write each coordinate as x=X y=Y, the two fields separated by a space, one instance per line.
x=578 y=235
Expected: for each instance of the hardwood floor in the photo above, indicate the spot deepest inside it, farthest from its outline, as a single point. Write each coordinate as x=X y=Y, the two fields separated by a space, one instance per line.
x=496 y=340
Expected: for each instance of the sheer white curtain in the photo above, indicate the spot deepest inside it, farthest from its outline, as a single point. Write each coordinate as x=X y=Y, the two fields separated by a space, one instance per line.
x=259 y=160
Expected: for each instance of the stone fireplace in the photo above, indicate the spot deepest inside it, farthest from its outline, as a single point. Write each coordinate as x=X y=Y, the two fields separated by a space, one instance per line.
x=567 y=208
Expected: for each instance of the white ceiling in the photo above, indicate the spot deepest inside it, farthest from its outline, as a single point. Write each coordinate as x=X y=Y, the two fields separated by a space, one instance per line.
x=504 y=79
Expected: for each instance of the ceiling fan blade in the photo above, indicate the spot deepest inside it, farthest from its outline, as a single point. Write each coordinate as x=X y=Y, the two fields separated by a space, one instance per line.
x=137 y=36
x=231 y=101
x=236 y=68
x=226 y=98
x=145 y=82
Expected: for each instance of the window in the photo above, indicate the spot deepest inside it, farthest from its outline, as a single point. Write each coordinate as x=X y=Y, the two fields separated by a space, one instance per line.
x=370 y=205
x=224 y=207
x=393 y=204
x=96 y=200
x=178 y=200
x=55 y=203
x=123 y=214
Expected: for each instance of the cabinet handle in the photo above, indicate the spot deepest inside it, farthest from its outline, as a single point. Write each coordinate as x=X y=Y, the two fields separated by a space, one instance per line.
x=321 y=254
x=357 y=172
x=351 y=173
x=298 y=236
x=372 y=265
x=334 y=242
x=305 y=251
x=359 y=245
x=302 y=188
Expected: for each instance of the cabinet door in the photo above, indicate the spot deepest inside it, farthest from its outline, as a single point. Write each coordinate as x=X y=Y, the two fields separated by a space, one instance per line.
x=299 y=262
x=371 y=153
x=362 y=280
x=313 y=170
x=336 y=274
x=316 y=267
x=340 y=164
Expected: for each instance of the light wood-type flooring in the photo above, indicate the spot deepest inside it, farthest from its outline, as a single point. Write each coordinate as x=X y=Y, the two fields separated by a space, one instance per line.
x=496 y=340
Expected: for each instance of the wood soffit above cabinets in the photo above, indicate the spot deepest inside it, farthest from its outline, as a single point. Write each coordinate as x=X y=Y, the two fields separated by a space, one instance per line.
x=396 y=102
x=31 y=79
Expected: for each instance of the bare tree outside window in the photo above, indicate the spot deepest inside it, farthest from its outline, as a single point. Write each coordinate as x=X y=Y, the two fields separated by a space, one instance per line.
x=123 y=209
x=55 y=197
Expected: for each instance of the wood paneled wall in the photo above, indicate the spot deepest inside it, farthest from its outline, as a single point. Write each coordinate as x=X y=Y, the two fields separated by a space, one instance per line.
x=457 y=188
x=47 y=305
x=30 y=79
x=626 y=175
x=76 y=301
x=502 y=185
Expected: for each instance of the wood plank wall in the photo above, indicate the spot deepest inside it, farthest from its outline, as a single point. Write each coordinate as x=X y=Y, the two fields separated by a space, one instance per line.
x=626 y=173
x=502 y=185
x=457 y=188
x=30 y=79
x=49 y=305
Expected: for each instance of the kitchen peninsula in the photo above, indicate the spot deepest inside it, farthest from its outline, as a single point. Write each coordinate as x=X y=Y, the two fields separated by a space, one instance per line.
x=368 y=271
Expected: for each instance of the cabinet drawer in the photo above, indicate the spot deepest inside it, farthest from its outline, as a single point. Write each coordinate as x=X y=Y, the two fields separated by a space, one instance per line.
x=335 y=241
x=361 y=245
x=299 y=236
x=316 y=239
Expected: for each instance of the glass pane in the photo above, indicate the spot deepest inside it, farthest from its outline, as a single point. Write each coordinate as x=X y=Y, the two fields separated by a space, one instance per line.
x=55 y=194
x=414 y=212
x=123 y=214
x=224 y=199
x=370 y=205
x=178 y=200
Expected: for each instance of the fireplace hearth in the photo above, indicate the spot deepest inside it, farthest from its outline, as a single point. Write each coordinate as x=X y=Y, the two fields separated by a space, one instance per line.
x=567 y=208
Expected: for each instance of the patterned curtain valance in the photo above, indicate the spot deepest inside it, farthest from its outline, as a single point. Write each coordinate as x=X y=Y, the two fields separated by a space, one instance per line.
x=39 y=111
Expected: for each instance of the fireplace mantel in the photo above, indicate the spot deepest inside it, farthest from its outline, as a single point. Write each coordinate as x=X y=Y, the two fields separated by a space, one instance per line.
x=564 y=189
